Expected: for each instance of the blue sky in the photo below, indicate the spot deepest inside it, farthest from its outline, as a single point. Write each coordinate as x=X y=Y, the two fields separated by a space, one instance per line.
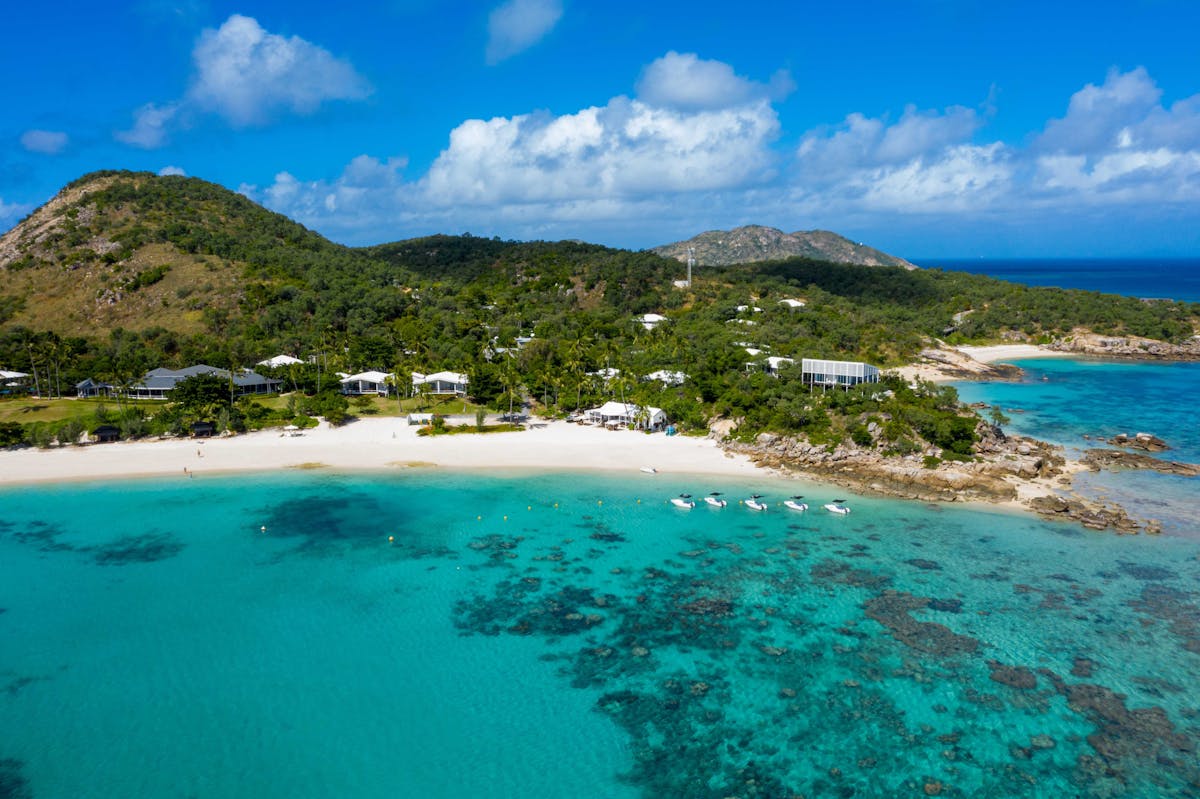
x=937 y=128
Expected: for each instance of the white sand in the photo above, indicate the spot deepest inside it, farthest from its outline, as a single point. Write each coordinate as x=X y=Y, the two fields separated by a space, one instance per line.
x=1008 y=352
x=377 y=444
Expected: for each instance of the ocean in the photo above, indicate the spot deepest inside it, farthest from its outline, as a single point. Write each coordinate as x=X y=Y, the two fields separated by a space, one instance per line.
x=438 y=634
x=1170 y=278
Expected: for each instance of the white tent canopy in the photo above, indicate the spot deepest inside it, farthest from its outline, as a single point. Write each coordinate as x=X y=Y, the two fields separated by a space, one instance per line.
x=625 y=414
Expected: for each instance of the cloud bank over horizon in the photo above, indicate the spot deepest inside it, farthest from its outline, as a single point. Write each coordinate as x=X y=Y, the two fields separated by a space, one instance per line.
x=698 y=147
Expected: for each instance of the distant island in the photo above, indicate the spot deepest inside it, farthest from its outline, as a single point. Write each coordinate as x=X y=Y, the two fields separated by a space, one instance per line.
x=753 y=243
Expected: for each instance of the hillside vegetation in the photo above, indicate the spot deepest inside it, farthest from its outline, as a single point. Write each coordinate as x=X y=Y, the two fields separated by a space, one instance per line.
x=127 y=271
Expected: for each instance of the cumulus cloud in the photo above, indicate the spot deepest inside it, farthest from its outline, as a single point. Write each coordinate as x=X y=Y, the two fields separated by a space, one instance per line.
x=623 y=149
x=249 y=77
x=46 y=142
x=172 y=170
x=517 y=25
x=699 y=147
x=924 y=161
x=686 y=82
x=369 y=194
x=1117 y=143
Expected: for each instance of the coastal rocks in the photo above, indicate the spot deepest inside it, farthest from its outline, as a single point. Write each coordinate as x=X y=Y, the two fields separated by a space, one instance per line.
x=1085 y=343
x=1143 y=441
x=1090 y=515
x=1098 y=459
x=956 y=365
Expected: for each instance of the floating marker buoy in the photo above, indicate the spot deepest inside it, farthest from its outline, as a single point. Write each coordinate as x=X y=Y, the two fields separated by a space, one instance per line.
x=599 y=502
x=639 y=502
x=391 y=538
x=478 y=518
x=263 y=528
x=556 y=504
x=529 y=508
x=505 y=518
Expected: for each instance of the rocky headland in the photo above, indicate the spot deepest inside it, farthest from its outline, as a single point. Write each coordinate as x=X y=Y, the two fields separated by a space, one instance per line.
x=1008 y=470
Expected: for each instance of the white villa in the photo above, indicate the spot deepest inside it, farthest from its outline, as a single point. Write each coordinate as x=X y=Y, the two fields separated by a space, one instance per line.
x=367 y=383
x=621 y=414
x=440 y=383
x=793 y=304
x=666 y=377
x=771 y=365
x=650 y=320
x=279 y=360
x=842 y=374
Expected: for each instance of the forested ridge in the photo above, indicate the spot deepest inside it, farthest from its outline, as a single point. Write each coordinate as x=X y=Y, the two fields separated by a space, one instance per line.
x=127 y=271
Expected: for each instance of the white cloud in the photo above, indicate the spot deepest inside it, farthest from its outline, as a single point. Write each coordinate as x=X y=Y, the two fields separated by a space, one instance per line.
x=47 y=142
x=246 y=74
x=686 y=82
x=172 y=170
x=11 y=212
x=517 y=25
x=622 y=150
x=249 y=77
x=699 y=148
x=151 y=126
x=1117 y=144
x=924 y=162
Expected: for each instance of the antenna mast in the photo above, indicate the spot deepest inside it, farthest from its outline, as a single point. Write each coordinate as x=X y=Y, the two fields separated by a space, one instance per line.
x=691 y=261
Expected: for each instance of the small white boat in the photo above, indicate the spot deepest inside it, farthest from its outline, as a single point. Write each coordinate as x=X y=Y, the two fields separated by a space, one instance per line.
x=795 y=504
x=649 y=470
x=755 y=503
x=683 y=501
x=838 y=507
x=714 y=500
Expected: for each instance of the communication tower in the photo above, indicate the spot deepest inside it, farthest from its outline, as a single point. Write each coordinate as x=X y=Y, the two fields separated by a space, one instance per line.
x=691 y=261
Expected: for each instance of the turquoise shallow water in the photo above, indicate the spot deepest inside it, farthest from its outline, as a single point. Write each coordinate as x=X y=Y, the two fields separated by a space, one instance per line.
x=1079 y=403
x=156 y=642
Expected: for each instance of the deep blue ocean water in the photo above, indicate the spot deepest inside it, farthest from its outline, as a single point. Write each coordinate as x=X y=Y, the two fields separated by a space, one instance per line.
x=562 y=635
x=1171 y=278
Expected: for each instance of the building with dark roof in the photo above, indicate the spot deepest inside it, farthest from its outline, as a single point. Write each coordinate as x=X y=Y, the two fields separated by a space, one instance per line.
x=158 y=383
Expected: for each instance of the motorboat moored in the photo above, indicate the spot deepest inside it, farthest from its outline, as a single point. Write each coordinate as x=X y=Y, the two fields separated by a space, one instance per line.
x=649 y=470
x=683 y=501
x=838 y=506
x=795 y=504
x=755 y=502
x=714 y=500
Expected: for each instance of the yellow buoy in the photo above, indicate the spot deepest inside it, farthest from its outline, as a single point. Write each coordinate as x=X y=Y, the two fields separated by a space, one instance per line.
x=529 y=508
x=478 y=518
x=556 y=504
x=391 y=538
x=599 y=502
x=505 y=518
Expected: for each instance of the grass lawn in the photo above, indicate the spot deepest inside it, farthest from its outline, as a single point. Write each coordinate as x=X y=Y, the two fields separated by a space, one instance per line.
x=27 y=409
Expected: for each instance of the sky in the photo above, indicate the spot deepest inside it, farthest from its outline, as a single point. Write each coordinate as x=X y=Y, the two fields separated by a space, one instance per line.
x=925 y=128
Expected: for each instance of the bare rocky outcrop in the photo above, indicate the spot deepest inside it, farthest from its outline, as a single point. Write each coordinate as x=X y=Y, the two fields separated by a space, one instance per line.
x=1132 y=347
x=758 y=243
x=1113 y=459
x=1143 y=441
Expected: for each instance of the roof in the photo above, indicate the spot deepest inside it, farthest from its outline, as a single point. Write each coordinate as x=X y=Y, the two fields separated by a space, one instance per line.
x=445 y=377
x=667 y=376
x=279 y=360
x=11 y=375
x=166 y=379
x=367 y=377
x=613 y=408
x=90 y=383
x=791 y=303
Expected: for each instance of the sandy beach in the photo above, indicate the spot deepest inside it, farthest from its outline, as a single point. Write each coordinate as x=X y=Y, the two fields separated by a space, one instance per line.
x=948 y=364
x=367 y=444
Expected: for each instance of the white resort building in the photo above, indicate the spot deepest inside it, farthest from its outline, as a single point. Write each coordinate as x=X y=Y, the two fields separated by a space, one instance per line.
x=622 y=414
x=837 y=374
x=440 y=383
x=371 y=382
